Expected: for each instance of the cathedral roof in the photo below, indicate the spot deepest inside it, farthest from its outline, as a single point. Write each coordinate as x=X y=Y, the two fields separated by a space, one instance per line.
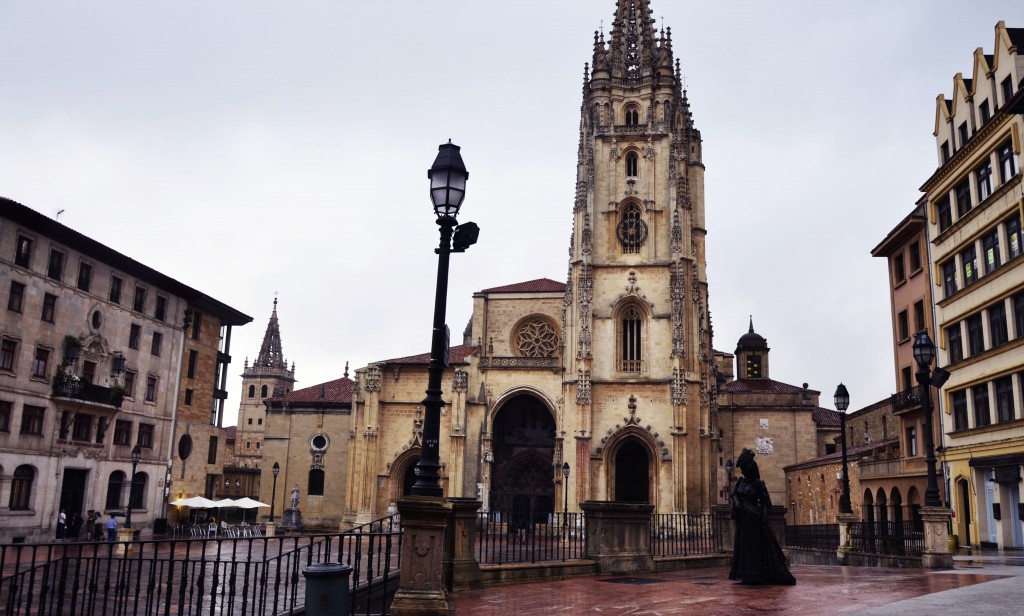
x=761 y=385
x=456 y=355
x=338 y=391
x=271 y=354
x=540 y=285
x=825 y=418
x=752 y=340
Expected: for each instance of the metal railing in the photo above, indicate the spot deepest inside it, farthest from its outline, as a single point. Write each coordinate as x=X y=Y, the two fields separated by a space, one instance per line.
x=243 y=576
x=504 y=537
x=888 y=538
x=813 y=536
x=685 y=534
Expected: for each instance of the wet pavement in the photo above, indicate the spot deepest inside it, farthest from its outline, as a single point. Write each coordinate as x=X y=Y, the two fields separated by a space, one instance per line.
x=819 y=590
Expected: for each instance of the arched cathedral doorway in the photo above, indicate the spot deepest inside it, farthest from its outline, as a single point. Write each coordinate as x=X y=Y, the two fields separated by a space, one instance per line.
x=632 y=473
x=524 y=447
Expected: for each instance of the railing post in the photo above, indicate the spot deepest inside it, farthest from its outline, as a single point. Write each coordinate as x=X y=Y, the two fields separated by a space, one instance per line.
x=724 y=526
x=845 y=520
x=462 y=568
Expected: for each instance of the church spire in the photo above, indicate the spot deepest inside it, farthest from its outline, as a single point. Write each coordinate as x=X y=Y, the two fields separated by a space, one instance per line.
x=633 y=50
x=271 y=354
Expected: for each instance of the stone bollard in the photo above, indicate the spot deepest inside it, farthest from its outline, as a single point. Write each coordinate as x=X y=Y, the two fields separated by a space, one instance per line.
x=327 y=589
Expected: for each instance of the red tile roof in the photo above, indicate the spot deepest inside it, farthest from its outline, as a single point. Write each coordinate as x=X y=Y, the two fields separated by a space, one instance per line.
x=825 y=418
x=762 y=385
x=338 y=391
x=541 y=285
x=456 y=355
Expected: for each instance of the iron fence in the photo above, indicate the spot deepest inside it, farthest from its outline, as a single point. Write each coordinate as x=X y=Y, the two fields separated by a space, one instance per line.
x=813 y=536
x=504 y=537
x=888 y=538
x=245 y=576
x=685 y=534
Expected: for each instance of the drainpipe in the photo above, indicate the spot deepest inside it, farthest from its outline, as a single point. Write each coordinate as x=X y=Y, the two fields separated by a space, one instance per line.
x=174 y=414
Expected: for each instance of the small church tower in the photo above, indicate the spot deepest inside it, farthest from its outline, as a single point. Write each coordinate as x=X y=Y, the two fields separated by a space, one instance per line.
x=267 y=376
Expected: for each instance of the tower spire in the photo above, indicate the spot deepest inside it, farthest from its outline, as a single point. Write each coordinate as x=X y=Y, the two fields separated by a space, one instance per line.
x=271 y=354
x=632 y=38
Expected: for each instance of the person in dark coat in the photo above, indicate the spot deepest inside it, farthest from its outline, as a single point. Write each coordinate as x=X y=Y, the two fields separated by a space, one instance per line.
x=757 y=557
x=76 y=525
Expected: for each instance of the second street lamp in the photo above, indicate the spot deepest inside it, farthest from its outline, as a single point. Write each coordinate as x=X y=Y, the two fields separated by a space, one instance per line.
x=273 y=491
x=842 y=399
x=565 y=505
x=136 y=456
x=448 y=177
x=924 y=354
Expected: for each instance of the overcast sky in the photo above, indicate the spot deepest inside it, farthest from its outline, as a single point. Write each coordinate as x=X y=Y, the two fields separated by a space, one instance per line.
x=248 y=148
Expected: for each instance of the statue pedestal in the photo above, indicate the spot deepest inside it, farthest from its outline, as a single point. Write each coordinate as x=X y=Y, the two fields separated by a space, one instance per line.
x=845 y=520
x=125 y=536
x=618 y=536
x=421 y=585
x=292 y=518
x=936 y=538
x=270 y=529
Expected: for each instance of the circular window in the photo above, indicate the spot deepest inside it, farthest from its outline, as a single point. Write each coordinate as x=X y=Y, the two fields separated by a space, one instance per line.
x=319 y=442
x=97 y=319
x=536 y=337
x=185 y=446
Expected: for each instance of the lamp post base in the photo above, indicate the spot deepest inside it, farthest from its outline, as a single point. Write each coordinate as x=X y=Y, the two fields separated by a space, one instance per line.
x=936 y=538
x=845 y=536
x=125 y=536
x=421 y=585
x=270 y=529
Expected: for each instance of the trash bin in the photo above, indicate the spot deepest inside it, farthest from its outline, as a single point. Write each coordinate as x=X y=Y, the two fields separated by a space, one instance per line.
x=327 y=589
x=160 y=526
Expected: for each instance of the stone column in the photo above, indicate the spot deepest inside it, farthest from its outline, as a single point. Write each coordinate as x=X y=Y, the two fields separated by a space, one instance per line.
x=270 y=529
x=725 y=526
x=460 y=562
x=421 y=586
x=618 y=536
x=936 y=538
x=125 y=536
x=845 y=535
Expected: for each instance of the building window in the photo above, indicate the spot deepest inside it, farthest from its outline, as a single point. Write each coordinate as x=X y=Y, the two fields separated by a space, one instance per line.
x=263 y=392
x=919 y=322
x=986 y=113
x=945 y=214
x=959 y=410
x=55 y=268
x=1013 y=236
x=16 y=297
x=161 y=308
x=912 y=441
x=963 y=134
x=252 y=391
x=949 y=286
x=979 y=395
x=945 y=152
x=997 y=332
x=975 y=335
x=632 y=230
x=1007 y=162
x=915 y=257
x=260 y=421
x=133 y=336
x=8 y=354
x=151 y=384
x=88 y=372
x=954 y=343
x=116 y=284
x=158 y=339
x=32 y=419
x=84 y=277
x=632 y=115
x=21 y=488
x=6 y=407
x=983 y=177
x=1007 y=87
x=1018 y=315
x=1004 y=399
x=257 y=444
x=899 y=273
x=908 y=378
x=193 y=357
x=963 y=198
x=41 y=363
x=49 y=308
x=188 y=397
x=146 y=432
x=969 y=263
x=632 y=165
x=129 y=383
x=115 y=486
x=139 y=303
x=123 y=433
x=197 y=324
x=316 y=482
x=990 y=246
x=23 y=252
x=250 y=421
x=631 y=341
x=136 y=496
x=903 y=325
x=211 y=456
x=81 y=428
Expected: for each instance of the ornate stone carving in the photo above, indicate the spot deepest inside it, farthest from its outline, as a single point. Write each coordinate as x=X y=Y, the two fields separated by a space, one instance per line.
x=460 y=381
x=521 y=362
x=583 y=387
x=678 y=387
x=587 y=239
x=373 y=378
x=677 y=233
x=677 y=291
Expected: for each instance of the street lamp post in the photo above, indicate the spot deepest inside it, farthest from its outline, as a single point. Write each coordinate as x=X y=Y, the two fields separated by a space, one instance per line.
x=273 y=492
x=924 y=354
x=729 y=468
x=136 y=456
x=842 y=399
x=448 y=177
x=565 y=504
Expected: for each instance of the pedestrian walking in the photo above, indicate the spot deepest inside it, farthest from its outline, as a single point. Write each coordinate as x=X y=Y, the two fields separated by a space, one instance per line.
x=76 y=525
x=62 y=525
x=112 y=529
x=90 y=525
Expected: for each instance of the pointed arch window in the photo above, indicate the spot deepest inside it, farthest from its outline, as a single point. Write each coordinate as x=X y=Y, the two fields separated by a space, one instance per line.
x=252 y=391
x=631 y=340
x=632 y=165
x=632 y=230
x=632 y=114
x=263 y=391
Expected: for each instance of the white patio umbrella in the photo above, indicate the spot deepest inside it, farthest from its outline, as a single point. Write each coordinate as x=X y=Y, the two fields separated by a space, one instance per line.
x=247 y=503
x=195 y=502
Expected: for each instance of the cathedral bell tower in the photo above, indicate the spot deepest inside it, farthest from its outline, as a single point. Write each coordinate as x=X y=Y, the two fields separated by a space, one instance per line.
x=269 y=375
x=637 y=348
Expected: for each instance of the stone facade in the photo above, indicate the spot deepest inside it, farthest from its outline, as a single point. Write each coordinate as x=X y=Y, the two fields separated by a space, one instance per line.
x=68 y=417
x=974 y=209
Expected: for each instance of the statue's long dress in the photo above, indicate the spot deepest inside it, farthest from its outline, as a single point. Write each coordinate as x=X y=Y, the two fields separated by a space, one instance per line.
x=757 y=557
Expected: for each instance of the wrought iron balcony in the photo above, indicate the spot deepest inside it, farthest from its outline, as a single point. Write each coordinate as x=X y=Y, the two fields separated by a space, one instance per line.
x=87 y=392
x=907 y=399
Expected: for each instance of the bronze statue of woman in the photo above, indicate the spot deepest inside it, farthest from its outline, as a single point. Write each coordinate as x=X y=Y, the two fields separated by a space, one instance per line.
x=757 y=557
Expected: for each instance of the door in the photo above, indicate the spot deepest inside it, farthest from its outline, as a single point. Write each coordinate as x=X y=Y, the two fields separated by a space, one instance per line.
x=72 y=491
x=1014 y=514
x=990 y=497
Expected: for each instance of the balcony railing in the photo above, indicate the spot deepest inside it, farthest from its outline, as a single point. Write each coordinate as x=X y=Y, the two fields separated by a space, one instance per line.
x=87 y=392
x=907 y=399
